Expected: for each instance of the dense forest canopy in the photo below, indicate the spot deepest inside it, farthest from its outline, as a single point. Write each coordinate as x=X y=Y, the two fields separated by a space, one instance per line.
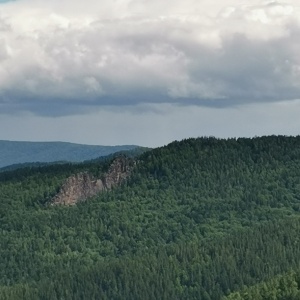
x=201 y=218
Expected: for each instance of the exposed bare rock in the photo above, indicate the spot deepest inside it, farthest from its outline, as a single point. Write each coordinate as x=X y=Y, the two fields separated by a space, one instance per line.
x=118 y=171
x=78 y=188
x=81 y=186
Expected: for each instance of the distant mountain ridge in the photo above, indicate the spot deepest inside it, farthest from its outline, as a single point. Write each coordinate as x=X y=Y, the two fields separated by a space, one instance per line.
x=15 y=152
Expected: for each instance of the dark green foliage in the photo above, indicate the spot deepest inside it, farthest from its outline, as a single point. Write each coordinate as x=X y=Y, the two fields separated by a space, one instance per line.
x=283 y=287
x=198 y=219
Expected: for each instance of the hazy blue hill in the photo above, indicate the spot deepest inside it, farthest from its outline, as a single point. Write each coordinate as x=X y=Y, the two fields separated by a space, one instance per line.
x=12 y=152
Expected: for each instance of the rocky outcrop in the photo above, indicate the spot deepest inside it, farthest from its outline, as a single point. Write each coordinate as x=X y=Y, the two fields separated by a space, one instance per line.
x=81 y=186
x=118 y=171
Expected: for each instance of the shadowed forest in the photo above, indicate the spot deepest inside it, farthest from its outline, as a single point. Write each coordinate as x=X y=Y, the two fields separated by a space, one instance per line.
x=201 y=218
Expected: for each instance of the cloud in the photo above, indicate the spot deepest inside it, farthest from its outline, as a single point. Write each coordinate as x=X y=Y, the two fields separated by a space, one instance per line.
x=65 y=57
x=155 y=125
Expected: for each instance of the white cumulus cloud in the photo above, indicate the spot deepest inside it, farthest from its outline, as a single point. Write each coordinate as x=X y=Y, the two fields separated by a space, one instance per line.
x=61 y=57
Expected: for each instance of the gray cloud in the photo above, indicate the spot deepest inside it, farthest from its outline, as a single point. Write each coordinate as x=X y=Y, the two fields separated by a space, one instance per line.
x=155 y=125
x=62 y=62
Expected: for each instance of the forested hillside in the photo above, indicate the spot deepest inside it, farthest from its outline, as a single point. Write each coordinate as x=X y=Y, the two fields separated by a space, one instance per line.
x=12 y=152
x=202 y=218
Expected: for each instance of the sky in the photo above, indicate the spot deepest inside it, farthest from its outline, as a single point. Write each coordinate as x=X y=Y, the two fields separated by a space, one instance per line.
x=114 y=72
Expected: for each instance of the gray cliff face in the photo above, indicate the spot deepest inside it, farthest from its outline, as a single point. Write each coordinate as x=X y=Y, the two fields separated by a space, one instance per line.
x=118 y=171
x=81 y=186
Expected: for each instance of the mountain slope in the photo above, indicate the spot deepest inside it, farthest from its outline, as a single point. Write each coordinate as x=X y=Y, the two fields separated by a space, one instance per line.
x=24 y=152
x=198 y=219
x=282 y=287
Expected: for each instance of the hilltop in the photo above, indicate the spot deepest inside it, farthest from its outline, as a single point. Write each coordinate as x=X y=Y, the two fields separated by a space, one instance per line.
x=15 y=152
x=200 y=218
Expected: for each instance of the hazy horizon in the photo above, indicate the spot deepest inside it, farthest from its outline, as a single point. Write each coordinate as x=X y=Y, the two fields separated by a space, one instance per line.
x=147 y=73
